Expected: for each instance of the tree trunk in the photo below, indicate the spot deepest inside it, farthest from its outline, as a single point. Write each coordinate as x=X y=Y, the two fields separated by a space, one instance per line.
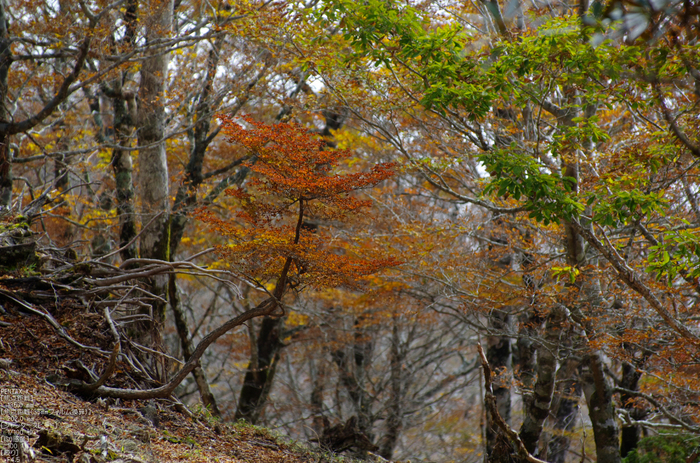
x=5 y=155
x=566 y=413
x=524 y=352
x=187 y=348
x=525 y=356
x=153 y=165
x=122 y=164
x=499 y=357
x=261 y=371
x=596 y=387
x=601 y=409
x=631 y=374
x=630 y=434
x=352 y=377
x=200 y=139
x=316 y=399
x=538 y=406
x=394 y=415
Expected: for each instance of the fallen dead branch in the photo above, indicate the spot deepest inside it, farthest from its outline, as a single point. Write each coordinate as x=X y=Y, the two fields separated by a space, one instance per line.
x=120 y=289
x=112 y=358
x=267 y=307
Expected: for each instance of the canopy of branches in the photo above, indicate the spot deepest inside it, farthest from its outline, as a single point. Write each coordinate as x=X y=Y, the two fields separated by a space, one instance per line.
x=439 y=231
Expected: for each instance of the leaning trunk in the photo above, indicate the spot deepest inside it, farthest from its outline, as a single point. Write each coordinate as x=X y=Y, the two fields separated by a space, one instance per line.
x=188 y=348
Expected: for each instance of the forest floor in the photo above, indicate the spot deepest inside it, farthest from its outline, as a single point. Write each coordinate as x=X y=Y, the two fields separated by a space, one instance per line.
x=45 y=423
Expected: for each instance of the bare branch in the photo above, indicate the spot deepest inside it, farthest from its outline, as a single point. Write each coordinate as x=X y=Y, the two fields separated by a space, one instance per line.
x=630 y=277
x=112 y=358
x=52 y=321
x=673 y=418
x=682 y=137
x=266 y=307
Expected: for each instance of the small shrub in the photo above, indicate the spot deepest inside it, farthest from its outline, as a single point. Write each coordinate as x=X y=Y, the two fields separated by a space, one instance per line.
x=665 y=448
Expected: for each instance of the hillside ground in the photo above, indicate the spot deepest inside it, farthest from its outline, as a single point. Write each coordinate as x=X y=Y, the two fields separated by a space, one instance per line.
x=41 y=422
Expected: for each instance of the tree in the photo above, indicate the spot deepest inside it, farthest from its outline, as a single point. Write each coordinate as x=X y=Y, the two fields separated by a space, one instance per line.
x=276 y=244
x=154 y=180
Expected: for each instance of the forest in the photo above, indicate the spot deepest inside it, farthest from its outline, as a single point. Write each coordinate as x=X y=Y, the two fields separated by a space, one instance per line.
x=416 y=230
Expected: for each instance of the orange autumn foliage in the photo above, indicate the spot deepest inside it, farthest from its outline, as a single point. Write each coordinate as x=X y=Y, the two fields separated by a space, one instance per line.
x=295 y=184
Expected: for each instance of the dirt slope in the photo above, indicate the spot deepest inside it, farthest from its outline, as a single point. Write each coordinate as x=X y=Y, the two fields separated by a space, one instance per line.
x=62 y=427
x=42 y=422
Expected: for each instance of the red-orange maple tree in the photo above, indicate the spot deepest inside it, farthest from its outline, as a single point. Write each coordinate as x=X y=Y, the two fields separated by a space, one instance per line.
x=297 y=183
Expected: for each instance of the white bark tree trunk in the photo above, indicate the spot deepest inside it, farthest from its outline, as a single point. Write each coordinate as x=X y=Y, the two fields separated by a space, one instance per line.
x=157 y=17
x=153 y=166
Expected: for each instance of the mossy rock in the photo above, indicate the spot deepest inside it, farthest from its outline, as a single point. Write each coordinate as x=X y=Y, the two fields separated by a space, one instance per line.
x=16 y=256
